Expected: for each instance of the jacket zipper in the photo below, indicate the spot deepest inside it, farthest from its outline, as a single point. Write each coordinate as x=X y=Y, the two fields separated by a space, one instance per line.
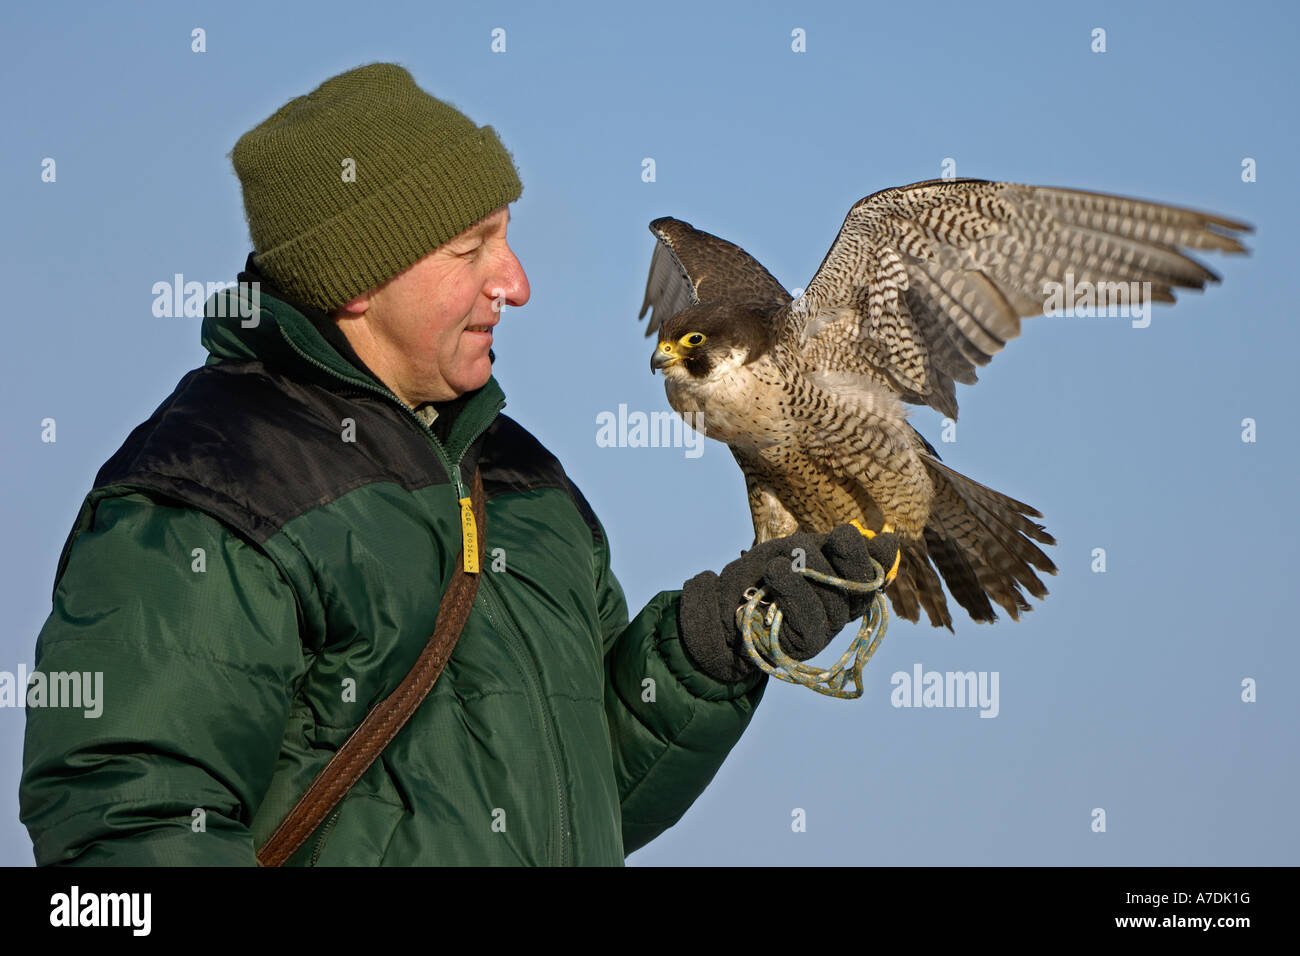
x=514 y=636
x=453 y=470
x=324 y=835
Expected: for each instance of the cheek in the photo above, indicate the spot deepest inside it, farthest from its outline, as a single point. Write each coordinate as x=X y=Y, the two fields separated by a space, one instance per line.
x=433 y=315
x=441 y=328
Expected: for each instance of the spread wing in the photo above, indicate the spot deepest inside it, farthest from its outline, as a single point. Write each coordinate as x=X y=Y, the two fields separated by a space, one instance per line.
x=691 y=267
x=925 y=282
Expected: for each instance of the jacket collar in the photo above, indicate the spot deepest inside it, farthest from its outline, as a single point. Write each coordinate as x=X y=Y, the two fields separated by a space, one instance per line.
x=254 y=321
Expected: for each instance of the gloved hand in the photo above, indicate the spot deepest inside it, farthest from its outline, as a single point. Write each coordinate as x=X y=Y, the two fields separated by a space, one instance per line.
x=813 y=613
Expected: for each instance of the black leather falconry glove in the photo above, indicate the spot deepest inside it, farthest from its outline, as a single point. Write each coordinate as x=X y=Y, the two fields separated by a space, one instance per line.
x=813 y=613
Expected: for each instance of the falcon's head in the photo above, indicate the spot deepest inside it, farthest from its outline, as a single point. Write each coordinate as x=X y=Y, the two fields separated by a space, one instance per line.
x=704 y=341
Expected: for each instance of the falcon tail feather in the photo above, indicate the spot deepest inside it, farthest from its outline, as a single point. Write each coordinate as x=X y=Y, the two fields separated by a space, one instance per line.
x=982 y=544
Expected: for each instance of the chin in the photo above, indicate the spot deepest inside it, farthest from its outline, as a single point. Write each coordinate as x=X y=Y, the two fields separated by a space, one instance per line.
x=474 y=377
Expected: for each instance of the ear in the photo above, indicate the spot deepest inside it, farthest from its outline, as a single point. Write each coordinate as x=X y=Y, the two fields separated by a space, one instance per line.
x=357 y=306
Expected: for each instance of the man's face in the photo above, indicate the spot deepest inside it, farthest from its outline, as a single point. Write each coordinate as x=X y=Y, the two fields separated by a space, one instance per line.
x=426 y=332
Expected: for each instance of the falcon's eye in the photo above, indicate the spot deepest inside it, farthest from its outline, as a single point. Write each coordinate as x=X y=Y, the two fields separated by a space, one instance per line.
x=692 y=338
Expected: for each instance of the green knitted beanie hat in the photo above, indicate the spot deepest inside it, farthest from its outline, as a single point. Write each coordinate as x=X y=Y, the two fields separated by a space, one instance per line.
x=349 y=185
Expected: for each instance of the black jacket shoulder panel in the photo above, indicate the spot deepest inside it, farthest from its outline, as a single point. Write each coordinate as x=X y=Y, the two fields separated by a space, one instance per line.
x=257 y=448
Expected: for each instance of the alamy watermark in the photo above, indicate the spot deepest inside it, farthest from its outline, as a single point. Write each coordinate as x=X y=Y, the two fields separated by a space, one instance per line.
x=626 y=429
x=74 y=908
x=180 y=299
x=83 y=690
x=1095 y=299
x=923 y=688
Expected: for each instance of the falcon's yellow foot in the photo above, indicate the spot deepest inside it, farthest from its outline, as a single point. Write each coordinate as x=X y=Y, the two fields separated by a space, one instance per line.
x=885 y=528
x=893 y=571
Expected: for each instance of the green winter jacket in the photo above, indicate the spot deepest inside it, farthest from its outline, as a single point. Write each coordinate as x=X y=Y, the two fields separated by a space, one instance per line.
x=261 y=563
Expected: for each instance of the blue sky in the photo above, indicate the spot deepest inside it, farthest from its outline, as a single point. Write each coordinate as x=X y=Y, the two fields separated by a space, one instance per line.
x=1121 y=691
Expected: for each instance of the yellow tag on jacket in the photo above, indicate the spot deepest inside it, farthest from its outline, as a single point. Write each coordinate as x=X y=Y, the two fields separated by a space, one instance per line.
x=469 y=535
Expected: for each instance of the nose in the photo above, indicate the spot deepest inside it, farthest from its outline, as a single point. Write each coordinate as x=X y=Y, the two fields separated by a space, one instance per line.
x=511 y=281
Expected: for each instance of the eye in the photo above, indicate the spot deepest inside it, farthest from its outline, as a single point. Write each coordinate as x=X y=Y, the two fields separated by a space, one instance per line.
x=692 y=338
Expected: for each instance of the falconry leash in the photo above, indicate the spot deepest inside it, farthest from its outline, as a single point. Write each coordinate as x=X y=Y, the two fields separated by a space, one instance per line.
x=761 y=633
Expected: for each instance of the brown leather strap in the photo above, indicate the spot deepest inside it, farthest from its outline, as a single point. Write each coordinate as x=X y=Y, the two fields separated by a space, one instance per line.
x=388 y=717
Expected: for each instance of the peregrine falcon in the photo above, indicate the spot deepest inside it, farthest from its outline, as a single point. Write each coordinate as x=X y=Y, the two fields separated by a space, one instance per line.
x=923 y=283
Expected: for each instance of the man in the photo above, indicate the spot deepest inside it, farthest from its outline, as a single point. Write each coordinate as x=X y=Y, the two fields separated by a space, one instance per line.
x=262 y=561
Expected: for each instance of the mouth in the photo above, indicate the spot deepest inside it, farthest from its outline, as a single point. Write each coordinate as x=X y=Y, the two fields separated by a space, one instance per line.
x=484 y=329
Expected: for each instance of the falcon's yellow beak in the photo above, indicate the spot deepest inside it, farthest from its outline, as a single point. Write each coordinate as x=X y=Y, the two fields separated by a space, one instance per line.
x=665 y=355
